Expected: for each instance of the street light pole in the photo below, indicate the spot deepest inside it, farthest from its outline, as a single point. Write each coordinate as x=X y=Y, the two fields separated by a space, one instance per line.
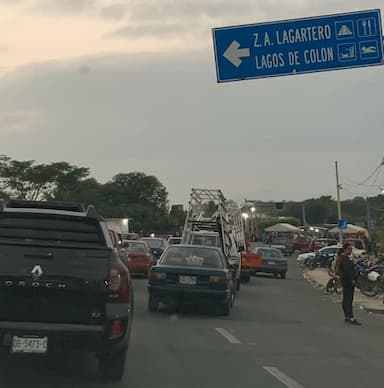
x=338 y=187
x=253 y=210
x=246 y=226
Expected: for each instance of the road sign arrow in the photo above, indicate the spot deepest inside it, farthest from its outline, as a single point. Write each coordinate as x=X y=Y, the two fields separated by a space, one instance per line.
x=233 y=53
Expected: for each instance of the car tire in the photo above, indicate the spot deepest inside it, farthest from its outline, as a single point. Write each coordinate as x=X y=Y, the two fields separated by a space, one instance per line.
x=111 y=365
x=153 y=304
x=275 y=275
x=283 y=275
x=311 y=265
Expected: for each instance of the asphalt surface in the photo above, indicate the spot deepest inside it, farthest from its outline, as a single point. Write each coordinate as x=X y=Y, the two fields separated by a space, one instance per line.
x=282 y=333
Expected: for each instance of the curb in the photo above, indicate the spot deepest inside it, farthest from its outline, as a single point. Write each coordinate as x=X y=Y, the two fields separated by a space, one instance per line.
x=371 y=310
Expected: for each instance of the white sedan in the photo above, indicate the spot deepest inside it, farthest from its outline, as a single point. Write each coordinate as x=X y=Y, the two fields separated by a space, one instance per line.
x=302 y=258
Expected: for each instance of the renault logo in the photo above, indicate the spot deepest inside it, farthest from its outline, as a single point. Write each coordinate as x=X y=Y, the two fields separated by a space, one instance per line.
x=37 y=272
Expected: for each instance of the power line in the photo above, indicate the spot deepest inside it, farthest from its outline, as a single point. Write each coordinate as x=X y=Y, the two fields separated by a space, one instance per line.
x=377 y=169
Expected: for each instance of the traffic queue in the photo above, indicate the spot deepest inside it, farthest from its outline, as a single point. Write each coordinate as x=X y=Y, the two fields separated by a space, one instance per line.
x=207 y=264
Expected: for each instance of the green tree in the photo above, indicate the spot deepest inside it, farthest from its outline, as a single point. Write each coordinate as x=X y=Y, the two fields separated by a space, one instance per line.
x=176 y=219
x=138 y=196
x=27 y=180
x=137 y=187
x=4 y=195
x=69 y=181
x=87 y=191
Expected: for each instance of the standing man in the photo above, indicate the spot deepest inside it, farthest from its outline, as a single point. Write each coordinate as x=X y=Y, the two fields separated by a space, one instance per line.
x=346 y=270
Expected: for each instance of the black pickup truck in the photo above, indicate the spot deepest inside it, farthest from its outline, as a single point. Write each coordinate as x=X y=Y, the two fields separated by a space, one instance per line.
x=62 y=285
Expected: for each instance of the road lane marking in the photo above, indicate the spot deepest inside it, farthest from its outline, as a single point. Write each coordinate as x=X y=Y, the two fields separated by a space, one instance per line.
x=228 y=336
x=282 y=377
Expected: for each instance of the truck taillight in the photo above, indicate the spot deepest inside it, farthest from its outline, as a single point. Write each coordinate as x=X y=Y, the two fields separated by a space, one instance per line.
x=119 y=283
x=117 y=328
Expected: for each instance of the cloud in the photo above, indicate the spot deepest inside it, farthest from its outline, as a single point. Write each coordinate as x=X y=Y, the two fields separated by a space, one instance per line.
x=165 y=115
x=84 y=69
x=62 y=7
x=15 y=122
x=170 y=17
x=187 y=9
x=158 y=30
x=114 y=11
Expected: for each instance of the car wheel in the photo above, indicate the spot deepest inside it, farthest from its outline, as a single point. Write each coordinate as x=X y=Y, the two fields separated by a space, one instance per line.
x=275 y=275
x=153 y=304
x=111 y=365
x=311 y=265
x=283 y=275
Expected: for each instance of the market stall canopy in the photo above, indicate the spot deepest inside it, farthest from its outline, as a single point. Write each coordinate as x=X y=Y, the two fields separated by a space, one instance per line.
x=283 y=228
x=351 y=229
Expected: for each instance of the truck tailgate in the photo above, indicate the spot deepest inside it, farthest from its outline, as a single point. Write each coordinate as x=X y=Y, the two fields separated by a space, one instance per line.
x=49 y=284
x=250 y=260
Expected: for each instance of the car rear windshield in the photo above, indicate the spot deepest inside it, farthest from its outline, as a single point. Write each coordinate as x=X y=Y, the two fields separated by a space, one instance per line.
x=173 y=241
x=154 y=243
x=136 y=247
x=270 y=253
x=192 y=257
x=209 y=241
x=51 y=230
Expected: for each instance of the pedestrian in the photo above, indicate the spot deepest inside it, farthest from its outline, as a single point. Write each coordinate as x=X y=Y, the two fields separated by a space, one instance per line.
x=335 y=261
x=345 y=268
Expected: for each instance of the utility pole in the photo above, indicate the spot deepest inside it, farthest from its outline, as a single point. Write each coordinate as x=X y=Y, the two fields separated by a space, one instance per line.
x=338 y=187
x=304 y=216
x=371 y=238
x=368 y=214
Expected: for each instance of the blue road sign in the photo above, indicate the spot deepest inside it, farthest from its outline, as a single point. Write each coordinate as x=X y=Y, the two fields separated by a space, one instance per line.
x=342 y=224
x=372 y=224
x=298 y=46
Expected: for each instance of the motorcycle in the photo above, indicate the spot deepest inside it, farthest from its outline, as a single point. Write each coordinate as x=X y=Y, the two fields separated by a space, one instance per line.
x=368 y=277
x=334 y=285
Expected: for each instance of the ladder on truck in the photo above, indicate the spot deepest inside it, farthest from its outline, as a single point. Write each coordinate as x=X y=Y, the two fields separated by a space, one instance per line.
x=218 y=222
x=237 y=226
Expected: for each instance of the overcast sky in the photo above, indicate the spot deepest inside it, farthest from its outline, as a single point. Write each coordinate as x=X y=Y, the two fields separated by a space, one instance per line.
x=130 y=85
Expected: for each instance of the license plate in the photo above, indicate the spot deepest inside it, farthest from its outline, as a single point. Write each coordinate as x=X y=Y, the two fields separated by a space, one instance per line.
x=191 y=280
x=30 y=345
x=272 y=262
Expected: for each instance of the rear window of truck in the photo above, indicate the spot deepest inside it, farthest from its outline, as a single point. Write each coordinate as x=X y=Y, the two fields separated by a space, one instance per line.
x=51 y=230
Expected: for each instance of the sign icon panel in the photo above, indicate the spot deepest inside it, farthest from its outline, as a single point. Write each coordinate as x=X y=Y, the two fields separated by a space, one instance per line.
x=345 y=29
x=369 y=49
x=347 y=52
x=366 y=27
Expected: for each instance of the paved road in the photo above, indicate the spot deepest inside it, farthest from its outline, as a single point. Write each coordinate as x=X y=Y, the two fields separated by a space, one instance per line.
x=283 y=333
